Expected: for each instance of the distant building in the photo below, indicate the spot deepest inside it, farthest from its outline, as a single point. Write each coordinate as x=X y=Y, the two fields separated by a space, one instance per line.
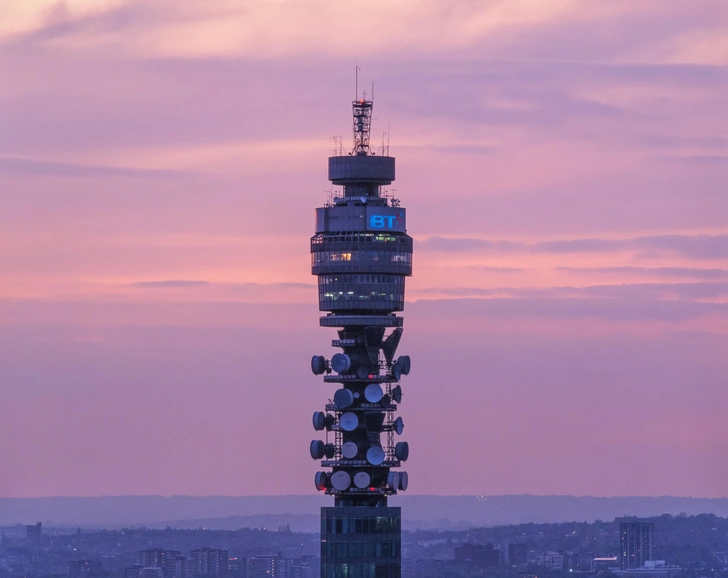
x=482 y=555
x=34 y=533
x=601 y=563
x=156 y=557
x=651 y=569
x=237 y=568
x=549 y=561
x=209 y=562
x=171 y=563
x=636 y=539
x=151 y=572
x=177 y=567
x=514 y=553
x=302 y=570
x=133 y=571
x=80 y=568
x=269 y=567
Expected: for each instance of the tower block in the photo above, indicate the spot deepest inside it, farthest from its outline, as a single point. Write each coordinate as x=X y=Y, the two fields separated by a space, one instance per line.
x=361 y=254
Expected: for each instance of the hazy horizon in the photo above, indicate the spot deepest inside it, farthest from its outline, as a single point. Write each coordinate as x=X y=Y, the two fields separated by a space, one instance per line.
x=303 y=511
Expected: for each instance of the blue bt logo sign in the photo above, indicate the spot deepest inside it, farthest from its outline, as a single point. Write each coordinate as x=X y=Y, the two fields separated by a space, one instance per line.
x=382 y=222
x=386 y=221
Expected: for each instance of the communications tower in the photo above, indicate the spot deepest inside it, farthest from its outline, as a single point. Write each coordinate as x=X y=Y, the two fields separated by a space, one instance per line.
x=361 y=254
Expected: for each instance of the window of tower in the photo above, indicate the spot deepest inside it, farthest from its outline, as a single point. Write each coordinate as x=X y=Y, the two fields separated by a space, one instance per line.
x=323 y=257
x=358 y=239
x=351 y=291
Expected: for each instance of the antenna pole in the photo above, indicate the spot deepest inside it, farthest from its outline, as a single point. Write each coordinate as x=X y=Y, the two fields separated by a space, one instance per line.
x=389 y=122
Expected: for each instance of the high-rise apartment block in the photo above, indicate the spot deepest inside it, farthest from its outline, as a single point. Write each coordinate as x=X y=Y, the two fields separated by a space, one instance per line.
x=208 y=563
x=34 y=533
x=636 y=540
x=165 y=563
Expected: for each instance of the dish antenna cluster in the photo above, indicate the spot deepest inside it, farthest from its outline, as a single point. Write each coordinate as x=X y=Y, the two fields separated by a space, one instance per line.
x=361 y=254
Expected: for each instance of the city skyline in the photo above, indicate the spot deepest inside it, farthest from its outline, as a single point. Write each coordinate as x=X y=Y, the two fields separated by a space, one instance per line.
x=564 y=169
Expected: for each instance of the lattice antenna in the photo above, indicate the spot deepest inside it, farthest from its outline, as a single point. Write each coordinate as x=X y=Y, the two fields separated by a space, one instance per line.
x=362 y=125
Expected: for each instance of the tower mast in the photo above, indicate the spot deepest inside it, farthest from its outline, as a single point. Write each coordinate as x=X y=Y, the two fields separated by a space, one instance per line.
x=361 y=254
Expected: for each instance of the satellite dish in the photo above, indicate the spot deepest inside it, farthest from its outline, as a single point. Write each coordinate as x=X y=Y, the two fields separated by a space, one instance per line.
x=349 y=450
x=386 y=400
x=349 y=421
x=397 y=394
x=319 y=420
x=329 y=420
x=340 y=363
x=401 y=451
x=362 y=372
x=403 y=481
x=329 y=450
x=396 y=371
x=374 y=420
x=375 y=455
x=373 y=392
x=399 y=425
x=343 y=398
x=321 y=480
x=393 y=480
x=362 y=480
x=318 y=364
x=340 y=480
x=317 y=449
x=404 y=364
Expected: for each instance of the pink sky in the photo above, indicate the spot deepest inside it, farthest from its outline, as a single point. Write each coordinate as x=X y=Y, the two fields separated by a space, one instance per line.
x=564 y=166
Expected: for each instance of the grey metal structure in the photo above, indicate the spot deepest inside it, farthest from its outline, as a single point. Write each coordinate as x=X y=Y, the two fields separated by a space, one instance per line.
x=361 y=254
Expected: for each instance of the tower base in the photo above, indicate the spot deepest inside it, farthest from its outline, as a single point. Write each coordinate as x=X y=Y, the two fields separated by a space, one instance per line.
x=361 y=542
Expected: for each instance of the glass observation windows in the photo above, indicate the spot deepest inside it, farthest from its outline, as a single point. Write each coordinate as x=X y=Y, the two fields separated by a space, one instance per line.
x=360 y=256
x=333 y=256
x=351 y=239
x=361 y=291
x=397 y=262
x=361 y=252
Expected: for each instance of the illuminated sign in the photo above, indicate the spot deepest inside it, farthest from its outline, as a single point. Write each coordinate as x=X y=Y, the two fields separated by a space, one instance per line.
x=378 y=221
x=386 y=221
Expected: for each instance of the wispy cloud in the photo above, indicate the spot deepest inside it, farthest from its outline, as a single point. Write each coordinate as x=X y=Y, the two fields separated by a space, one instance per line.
x=240 y=287
x=650 y=271
x=693 y=246
x=633 y=291
x=695 y=159
x=170 y=284
x=32 y=167
x=491 y=269
x=612 y=310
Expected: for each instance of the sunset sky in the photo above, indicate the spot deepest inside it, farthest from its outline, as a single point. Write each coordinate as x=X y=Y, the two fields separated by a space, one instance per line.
x=564 y=165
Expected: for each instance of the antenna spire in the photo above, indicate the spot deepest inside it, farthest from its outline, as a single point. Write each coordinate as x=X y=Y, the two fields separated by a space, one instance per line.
x=356 y=81
x=362 y=109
